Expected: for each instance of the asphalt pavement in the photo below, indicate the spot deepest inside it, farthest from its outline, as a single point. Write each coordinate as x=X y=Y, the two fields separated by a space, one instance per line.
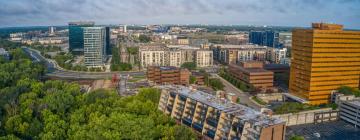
x=244 y=96
x=56 y=71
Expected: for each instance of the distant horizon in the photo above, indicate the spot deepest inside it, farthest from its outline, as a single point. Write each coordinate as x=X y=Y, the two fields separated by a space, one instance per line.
x=292 y=13
x=227 y=25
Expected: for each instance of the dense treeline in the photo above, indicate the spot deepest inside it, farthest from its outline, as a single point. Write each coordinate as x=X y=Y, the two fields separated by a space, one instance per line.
x=31 y=109
x=116 y=64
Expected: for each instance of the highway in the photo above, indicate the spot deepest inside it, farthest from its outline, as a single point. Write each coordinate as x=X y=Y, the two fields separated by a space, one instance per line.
x=53 y=70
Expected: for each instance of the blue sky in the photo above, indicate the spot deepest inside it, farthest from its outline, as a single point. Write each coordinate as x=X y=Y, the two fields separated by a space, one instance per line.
x=240 y=12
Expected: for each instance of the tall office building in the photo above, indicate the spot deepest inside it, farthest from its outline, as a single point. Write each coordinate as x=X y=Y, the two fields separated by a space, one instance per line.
x=323 y=59
x=108 y=46
x=264 y=38
x=94 y=46
x=76 y=36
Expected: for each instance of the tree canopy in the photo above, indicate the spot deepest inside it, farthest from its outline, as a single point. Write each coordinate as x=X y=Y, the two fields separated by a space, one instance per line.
x=349 y=91
x=32 y=109
x=189 y=65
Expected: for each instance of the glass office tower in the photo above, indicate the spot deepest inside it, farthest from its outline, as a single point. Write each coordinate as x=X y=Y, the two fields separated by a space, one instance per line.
x=76 y=38
x=264 y=38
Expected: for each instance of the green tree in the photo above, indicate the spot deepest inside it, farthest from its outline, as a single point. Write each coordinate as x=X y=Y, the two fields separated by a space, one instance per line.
x=189 y=65
x=216 y=84
x=349 y=91
x=296 y=137
x=144 y=39
x=192 y=80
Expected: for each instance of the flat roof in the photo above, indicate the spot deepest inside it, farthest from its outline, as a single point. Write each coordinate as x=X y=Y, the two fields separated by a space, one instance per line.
x=296 y=98
x=224 y=105
x=3 y=51
x=251 y=70
x=168 y=68
x=247 y=46
x=184 y=47
x=354 y=102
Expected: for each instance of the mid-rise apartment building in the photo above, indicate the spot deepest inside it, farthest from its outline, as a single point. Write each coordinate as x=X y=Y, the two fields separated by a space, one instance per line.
x=94 y=46
x=175 y=58
x=323 y=59
x=174 y=55
x=253 y=73
x=216 y=118
x=204 y=58
x=168 y=75
x=277 y=55
x=230 y=54
x=153 y=56
x=285 y=39
x=183 y=41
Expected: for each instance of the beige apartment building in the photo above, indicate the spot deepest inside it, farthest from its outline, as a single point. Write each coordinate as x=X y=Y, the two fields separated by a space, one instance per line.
x=276 y=55
x=174 y=55
x=175 y=58
x=204 y=58
x=153 y=56
x=230 y=54
x=216 y=118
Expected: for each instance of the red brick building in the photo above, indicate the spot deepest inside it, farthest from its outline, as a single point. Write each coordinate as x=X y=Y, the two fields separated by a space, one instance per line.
x=168 y=75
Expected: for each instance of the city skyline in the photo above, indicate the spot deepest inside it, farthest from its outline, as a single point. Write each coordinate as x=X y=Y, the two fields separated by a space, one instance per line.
x=245 y=12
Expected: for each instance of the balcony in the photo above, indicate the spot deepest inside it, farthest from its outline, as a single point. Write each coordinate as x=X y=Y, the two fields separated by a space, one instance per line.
x=182 y=97
x=237 y=127
x=198 y=127
x=181 y=109
x=189 y=112
x=173 y=94
x=210 y=133
x=190 y=107
x=187 y=122
x=212 y=122
x=169 y=108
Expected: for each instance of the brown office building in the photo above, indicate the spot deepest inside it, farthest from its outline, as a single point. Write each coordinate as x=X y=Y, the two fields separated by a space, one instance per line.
x=253 y=73
x=168 y=75
x=323 y=59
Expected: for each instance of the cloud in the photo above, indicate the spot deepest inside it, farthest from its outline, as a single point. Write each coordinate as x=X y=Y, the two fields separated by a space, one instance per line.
x=43 y=12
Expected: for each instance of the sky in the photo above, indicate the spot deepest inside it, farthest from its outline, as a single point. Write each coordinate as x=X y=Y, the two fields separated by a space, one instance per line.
x=15 y=13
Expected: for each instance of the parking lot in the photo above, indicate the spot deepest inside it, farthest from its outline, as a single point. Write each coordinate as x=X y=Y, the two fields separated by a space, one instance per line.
x=338 y=130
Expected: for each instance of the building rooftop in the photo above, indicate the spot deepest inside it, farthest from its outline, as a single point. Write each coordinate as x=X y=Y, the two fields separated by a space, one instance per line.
x=224 y=105
x=247 y=46
x=355 y=102
x=168 y=68
x=3 y=51
x=183 y=47
x=327 y=26
x=250 y=70
x=152 y=48
x=82 y=23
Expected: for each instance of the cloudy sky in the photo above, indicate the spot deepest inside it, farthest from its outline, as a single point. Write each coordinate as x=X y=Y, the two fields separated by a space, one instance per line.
x=240 y=12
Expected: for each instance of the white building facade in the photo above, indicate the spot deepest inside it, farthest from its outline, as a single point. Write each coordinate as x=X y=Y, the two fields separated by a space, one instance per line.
x=94 y=46
x=204 y=58
x=277 y=56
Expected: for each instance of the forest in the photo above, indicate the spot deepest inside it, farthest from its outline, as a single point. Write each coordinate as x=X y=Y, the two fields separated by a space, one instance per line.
x=31 y=108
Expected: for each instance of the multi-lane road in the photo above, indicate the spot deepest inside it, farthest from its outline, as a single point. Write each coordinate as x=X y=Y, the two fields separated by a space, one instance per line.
x=53 y=70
